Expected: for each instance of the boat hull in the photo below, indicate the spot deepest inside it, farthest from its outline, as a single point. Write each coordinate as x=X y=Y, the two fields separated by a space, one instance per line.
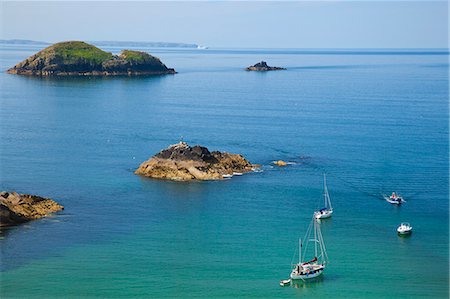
x=404 y=232
x=324 y=215
x=313 y=272
x=306 y=276
x=394 y=201
x=285 y=282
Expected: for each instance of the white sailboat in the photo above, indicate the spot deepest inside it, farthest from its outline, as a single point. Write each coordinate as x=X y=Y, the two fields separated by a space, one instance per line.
x=314 y=267
x=327 y=210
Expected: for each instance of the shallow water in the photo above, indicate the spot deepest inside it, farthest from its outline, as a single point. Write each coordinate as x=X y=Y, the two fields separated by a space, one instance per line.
x=374 y=122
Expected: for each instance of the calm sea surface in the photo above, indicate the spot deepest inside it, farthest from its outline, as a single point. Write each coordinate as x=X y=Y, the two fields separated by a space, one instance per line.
x=374 y=122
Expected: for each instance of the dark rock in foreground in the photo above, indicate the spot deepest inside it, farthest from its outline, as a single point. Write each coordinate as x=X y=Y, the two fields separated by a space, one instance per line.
x=81 y=59
x=182 y=162
x=18 y=208
x=262 y=66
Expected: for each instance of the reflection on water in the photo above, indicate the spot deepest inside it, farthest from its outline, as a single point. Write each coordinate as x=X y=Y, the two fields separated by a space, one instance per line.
x=88 y=80
x=404 y=239
x=307 y=284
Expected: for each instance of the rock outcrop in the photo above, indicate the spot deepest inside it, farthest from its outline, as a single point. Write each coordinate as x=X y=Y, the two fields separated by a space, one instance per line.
x=18 y=208
x=280 y=163
x=81 y=59
x=182 y=162
x=262 y=66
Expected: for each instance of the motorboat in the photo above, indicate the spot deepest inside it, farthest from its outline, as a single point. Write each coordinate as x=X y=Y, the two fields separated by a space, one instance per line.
x=394 y=199
x=404 y=228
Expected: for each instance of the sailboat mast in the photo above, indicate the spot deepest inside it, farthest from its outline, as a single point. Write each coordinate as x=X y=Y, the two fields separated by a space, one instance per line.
x=315 y=237
x=325 y=190
x=325 y=193
x=323 y=250
x=300 y=251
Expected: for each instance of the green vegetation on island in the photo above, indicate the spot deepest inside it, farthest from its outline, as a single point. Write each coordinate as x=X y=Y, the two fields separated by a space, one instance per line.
x=79 y=58
x=76 y=52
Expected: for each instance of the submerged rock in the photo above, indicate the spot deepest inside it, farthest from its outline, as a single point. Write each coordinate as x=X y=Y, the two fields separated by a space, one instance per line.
x=18 y=208
x=280 y=163
x=262 y=66
x=182 y=162
x=77 y=58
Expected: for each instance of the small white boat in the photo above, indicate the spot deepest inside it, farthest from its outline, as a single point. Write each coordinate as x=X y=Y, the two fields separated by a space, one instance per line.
x=394 y=199
x=237 y=173
x=316 y=266
x=285 y=282
x=227 y=176
x=328 y=209
x=404 y=229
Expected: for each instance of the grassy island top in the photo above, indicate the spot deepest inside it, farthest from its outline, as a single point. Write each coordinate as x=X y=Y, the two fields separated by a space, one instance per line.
x=74 y=51
x=134 y=55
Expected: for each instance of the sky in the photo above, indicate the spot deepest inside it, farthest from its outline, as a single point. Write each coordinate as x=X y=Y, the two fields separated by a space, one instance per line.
x=248 y=24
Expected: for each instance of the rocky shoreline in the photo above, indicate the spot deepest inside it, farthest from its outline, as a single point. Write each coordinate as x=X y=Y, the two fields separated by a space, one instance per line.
x=181 y=162
x=19 y=208
x=93 y=73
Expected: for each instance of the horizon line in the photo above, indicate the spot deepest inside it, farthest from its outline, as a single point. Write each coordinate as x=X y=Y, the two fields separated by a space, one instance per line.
x=35 y=43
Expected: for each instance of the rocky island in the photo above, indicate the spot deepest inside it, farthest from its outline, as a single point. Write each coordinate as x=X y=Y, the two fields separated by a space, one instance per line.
x=181 y=162
x=77 y=58
x=18 y=208
x=262 y=66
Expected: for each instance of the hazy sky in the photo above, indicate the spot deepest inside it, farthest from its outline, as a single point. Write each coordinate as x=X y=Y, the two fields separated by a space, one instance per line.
x=318 y=24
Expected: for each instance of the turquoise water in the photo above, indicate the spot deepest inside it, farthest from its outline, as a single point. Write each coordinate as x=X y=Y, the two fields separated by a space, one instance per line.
x=375 y=122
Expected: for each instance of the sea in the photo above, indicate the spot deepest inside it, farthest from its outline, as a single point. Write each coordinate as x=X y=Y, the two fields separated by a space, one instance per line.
x=374 y=120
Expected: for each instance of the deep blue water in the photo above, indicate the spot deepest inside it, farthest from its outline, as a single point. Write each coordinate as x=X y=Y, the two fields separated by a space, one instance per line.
x=374 y=122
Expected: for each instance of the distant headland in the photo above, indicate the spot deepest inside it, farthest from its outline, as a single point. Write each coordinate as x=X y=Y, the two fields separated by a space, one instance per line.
x=143 y=44
x=22 y=42
x=124 y=44
x=181 y=162
x=262 y=66
x=77 y=58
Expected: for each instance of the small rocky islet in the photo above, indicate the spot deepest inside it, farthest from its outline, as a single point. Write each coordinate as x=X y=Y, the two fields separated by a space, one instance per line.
x=76 y=58
x=182 y=162
x=18 y=208
x=262 y=67
x=280 y=163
